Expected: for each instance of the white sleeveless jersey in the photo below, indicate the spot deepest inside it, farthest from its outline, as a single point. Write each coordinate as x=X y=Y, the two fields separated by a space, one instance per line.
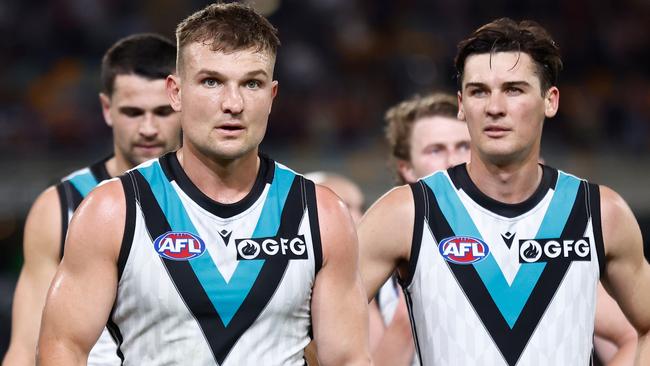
x=202 y=283
x=71 y=191
x=504 y=284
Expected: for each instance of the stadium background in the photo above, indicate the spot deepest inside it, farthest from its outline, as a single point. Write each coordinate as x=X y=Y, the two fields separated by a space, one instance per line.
x=341 y=65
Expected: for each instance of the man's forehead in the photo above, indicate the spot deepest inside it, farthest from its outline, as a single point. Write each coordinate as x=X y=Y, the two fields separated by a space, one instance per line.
x=196 y=54
x=509 y=66
x=132 y=84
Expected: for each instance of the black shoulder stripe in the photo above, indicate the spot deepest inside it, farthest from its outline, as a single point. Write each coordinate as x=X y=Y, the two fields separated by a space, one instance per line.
x=63 y=206
x=420 y=199
x=128 y=183
x=593 y=199
x=70 y=199
x=309 y=190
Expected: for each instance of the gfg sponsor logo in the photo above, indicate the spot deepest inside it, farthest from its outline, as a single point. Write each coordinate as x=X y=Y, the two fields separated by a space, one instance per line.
x=179 y=246
x=545 y=250
x=273 y=247
x=463 y=249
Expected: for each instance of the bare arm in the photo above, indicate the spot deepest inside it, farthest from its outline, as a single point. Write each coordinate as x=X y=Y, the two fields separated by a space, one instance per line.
x=613 y=331
x=395 y=346
x=41 y=250
x=83 y=290
x=627 y=275
x=385 y=235
x=339 y=309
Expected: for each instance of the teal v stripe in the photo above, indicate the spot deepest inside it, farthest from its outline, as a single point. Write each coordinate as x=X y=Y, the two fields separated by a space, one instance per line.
x=84 y=183
x=226 y=297
x=510 y=299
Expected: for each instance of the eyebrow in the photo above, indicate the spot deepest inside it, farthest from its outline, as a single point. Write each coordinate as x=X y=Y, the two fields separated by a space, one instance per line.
x=217 y=74
x=130 y=109
x=475 y=85
x=516 y=83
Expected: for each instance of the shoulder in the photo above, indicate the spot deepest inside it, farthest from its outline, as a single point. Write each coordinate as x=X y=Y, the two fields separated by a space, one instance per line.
x=396 y=205
x=100 y=219
x=42 y=235
x=46 y=202
x=388 y=224
x=618 y=222
x=337 y=230
x=105 y=200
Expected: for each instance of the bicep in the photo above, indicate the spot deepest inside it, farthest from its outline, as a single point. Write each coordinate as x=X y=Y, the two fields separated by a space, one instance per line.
x=339 y=309
x=83 y=290
x=41 y=242
x=385 y=235
x=627 y=275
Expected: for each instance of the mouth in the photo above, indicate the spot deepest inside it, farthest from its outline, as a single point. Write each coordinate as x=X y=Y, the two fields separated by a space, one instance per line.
x=149 y=148
x=230 y=128
x=496 y=131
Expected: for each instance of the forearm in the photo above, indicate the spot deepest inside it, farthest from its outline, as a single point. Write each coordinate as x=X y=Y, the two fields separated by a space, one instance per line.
x=395 y=347
x=18 y=356
x=55 y=352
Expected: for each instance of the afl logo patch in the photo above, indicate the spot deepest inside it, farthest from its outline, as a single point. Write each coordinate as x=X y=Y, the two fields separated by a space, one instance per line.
x=179 y=246
x=463 y=249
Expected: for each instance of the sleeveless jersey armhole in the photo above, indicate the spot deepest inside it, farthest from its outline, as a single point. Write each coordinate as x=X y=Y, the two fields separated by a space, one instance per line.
x=63 y=206
x=309 y=192
x=593 y=199
x=130 y=189
x=420 y=215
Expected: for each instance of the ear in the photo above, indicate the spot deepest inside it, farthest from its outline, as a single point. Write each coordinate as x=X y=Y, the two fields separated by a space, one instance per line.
x=173 y=85
x=551 y=102
x=405 y=170
x=105 y=101
x=274 y=92
x=461 y=110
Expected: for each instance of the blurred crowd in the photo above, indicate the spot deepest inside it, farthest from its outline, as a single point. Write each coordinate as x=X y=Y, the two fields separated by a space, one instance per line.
x=342 y=63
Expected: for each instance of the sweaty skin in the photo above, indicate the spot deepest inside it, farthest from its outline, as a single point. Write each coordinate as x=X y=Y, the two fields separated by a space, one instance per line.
x=224 y=100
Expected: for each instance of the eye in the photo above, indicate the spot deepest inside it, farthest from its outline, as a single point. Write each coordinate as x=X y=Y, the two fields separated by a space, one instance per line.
x=210 y=82
x=478 y=93
x=434 y=150
x=131 y=112
x=253 y=84
x=164 y=111
x=513 y=91
x=463 y=146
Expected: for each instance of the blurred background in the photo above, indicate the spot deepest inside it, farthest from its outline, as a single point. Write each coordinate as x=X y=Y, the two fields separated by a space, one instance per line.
x=341 y=65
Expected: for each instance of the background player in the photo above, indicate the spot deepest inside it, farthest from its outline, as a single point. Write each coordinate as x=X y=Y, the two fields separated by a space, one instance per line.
x=507 y=73
x=275 y=274
x=135 y=105
x=423 y=135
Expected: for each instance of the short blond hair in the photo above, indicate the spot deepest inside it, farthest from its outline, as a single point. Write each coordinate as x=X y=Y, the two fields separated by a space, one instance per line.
x=401 y=117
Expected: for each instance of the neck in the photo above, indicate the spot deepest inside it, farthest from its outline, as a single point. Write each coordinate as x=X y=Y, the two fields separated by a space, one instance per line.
x=509 y=183
x=117 y=165
x=224 y=181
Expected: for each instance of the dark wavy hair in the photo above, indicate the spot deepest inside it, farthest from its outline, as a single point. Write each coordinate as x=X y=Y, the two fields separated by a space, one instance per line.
x=506 y=35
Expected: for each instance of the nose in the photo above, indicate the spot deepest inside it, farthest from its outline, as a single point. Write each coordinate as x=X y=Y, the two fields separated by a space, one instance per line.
x=495 y=105
x=232 y=102
x=148 y=126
